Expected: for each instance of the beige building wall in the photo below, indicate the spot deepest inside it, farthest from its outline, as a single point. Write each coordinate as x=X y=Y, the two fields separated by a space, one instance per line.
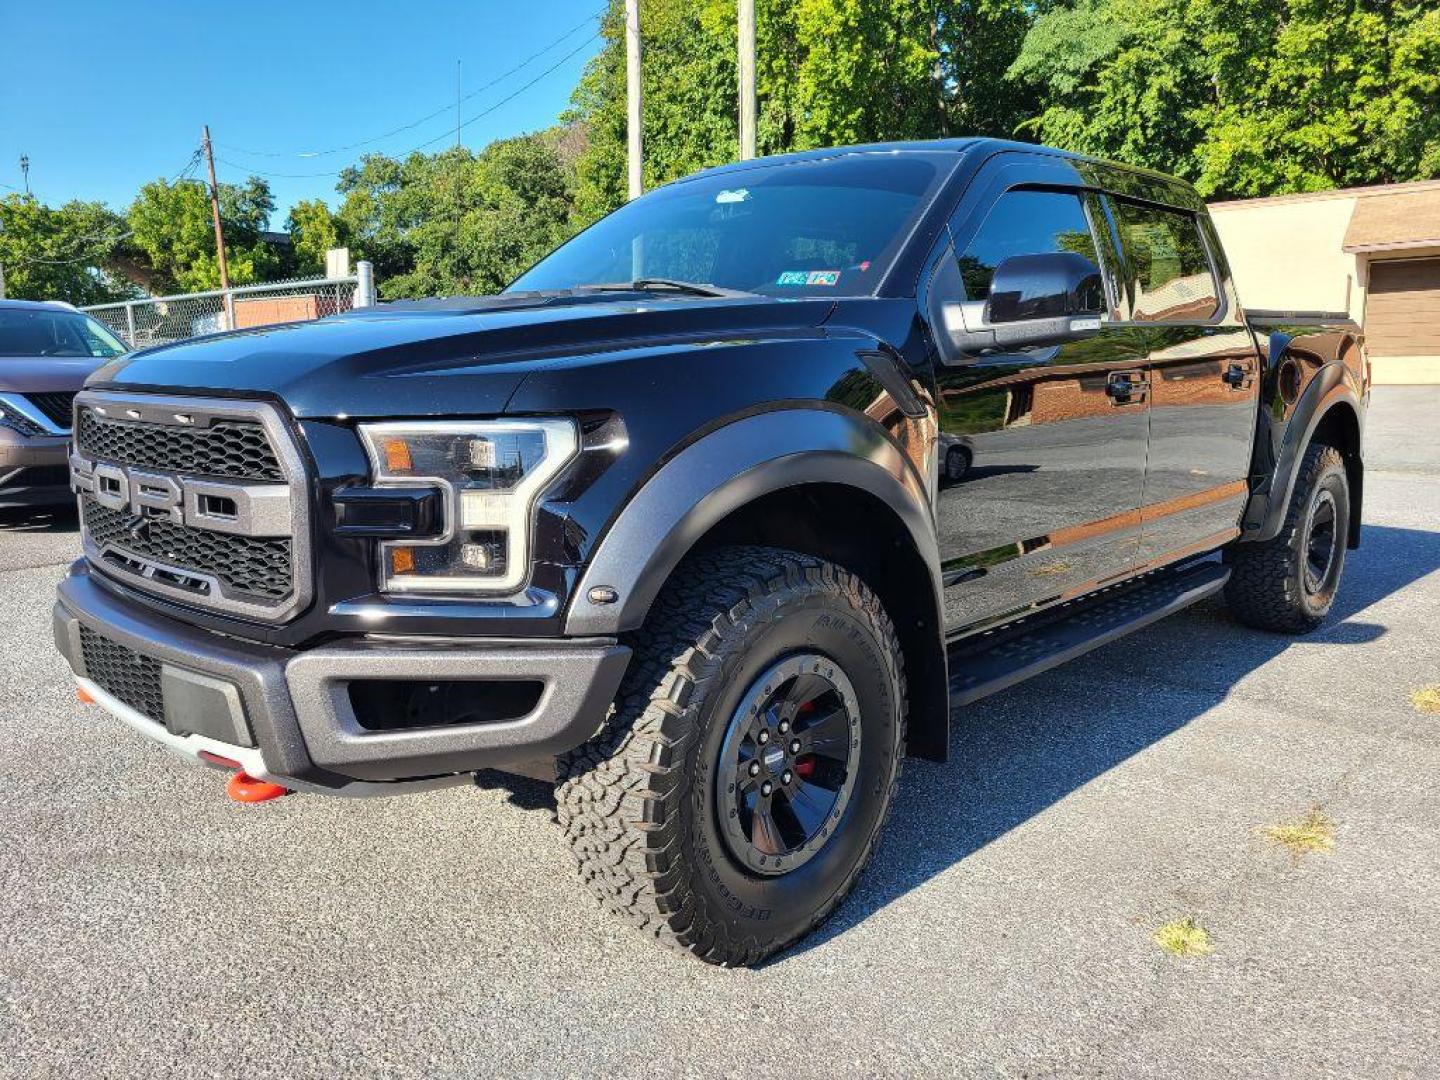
x=1288 y=254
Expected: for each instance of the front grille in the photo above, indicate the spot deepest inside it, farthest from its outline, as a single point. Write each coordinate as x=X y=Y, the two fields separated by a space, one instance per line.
x=123 y=673
x=16 y=422
x=257 y=568
x=198 y=500
x=56 y=406
x=229 y=448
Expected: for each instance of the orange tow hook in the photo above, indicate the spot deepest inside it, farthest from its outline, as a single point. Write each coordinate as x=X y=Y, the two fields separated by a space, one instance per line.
x=245 y=788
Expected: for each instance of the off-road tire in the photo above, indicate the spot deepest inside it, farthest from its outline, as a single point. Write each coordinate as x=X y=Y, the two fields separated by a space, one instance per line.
x=1267 y=580
x=637 y=802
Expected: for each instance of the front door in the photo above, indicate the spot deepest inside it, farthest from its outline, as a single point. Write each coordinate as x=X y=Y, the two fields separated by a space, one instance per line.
x=1042 y=450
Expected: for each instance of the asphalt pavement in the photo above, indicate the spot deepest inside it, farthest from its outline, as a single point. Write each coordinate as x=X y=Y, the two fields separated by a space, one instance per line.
x=148 y=926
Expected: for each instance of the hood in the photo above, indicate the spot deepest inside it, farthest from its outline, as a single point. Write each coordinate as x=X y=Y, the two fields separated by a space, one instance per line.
x=41 y=374
x=439 y=357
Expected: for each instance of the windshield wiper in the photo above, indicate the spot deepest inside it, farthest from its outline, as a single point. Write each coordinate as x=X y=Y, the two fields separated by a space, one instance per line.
x=659 y=284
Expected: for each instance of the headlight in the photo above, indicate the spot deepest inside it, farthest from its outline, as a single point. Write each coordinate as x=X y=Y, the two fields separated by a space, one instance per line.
x=491 y=474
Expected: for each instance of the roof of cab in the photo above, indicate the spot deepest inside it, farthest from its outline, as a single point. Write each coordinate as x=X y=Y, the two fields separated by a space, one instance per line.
x=985 y=145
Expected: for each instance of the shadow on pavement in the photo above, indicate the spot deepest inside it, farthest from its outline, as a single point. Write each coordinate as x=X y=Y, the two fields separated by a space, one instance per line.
x=46 y=519
x=1013 y=755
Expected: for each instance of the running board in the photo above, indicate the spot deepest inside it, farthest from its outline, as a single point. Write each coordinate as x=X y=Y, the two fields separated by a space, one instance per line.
x=1000 y=658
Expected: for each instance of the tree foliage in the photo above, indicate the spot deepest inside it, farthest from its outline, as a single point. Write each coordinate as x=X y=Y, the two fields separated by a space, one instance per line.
x=828 y=72
x=66 y=253
x=457 y=222
x=1243 y=97
x=313 y=230
x=173 y=228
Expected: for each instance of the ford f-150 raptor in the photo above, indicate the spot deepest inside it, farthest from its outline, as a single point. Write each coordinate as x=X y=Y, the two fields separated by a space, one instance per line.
x=715 y=514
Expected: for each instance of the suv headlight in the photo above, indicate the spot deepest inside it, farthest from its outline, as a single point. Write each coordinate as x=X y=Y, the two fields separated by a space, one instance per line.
x=491 y=474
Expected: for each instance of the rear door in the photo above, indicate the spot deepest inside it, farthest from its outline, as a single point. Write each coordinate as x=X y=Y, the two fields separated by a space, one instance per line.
x=1203 y=372
x=1042 y=450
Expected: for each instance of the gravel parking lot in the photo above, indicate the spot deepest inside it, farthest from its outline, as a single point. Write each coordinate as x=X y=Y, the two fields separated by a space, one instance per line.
x=150 y=926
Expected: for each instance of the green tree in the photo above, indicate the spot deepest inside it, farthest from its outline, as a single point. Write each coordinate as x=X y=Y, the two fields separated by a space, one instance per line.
x=313 y=230
x=457 y=222
x=828 y=72
x=68 y=253
x=1244 y=97
x=174 y=231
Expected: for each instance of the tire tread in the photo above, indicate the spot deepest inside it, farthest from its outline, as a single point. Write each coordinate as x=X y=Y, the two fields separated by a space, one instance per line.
x=620 y=796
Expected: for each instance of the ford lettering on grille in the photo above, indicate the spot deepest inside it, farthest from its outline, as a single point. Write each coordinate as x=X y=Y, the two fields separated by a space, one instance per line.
x=193 y=499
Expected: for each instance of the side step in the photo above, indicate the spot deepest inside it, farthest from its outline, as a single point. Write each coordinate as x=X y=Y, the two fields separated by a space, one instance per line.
x=1000 y=658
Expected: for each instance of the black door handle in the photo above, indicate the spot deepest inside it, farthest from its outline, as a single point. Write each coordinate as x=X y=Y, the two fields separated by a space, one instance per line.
x=1125 y=387
x=1236 y=375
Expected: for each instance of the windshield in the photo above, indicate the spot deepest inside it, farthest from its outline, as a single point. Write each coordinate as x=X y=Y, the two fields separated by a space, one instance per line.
x=828 y=227
x=57 y=332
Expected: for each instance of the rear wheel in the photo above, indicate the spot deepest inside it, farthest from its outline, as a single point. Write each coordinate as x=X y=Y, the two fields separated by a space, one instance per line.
x=743 y=777
x=1289 y=583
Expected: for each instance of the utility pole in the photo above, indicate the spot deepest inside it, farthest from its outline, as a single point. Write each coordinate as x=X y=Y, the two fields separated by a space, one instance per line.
x=633 y=97
x=747 y=79
x=219 y=234
x=459 y=80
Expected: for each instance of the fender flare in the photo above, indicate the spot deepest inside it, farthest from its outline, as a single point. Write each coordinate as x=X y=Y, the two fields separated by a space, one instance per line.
x=1328 y=389
x=723 y=471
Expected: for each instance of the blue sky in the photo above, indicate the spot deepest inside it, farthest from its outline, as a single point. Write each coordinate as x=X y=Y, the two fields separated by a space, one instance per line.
x=106 y=96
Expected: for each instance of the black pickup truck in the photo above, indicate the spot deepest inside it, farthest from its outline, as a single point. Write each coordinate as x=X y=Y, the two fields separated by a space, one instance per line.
x=716 y=513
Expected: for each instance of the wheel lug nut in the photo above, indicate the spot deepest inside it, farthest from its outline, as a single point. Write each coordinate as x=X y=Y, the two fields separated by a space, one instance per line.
x=786 y=776
x=763 y=738
x=784 y=726
x=766 y=788
x=754 y=768
x=794 y=746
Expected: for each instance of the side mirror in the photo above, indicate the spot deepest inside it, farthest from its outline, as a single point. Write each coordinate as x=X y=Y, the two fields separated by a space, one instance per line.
x=1058 y=284
x=1044 y=299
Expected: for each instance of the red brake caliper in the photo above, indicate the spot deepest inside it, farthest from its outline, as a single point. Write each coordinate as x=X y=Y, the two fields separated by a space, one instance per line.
x=805 y=763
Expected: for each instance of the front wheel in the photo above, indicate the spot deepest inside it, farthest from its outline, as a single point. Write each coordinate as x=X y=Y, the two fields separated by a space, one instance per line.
x=1288 y=584
x=743 y=778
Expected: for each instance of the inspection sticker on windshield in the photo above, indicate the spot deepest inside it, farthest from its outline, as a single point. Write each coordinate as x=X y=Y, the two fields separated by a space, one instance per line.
x=809 y=277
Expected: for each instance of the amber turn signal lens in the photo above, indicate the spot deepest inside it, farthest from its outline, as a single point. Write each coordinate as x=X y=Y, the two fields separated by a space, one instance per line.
x=84 y=696
x=402 y=560
x=397 y=456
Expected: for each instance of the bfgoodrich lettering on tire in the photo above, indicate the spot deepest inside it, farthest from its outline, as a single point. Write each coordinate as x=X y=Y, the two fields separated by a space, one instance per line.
x=746 y=770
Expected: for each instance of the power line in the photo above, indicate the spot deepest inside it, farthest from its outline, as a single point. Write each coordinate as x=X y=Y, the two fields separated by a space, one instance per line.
x=100 y=239
x=188 y=170
x=37 y=260
x=428 y=142
x=424 y=119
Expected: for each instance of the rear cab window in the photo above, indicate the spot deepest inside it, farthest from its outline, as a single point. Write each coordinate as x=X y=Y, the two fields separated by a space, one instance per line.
x=1169 y=274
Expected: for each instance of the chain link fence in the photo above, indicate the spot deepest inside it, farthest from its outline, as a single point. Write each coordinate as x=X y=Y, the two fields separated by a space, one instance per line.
x=160 y=319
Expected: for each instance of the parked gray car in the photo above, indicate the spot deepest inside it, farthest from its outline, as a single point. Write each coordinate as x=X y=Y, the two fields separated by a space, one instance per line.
x=46 y=351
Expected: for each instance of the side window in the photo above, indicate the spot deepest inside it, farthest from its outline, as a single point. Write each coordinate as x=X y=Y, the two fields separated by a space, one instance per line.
x=1170 y=275
x=1025 y=223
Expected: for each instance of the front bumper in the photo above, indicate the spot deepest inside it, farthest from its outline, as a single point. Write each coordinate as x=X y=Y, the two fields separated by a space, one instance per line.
x=33 y=470
x=295 y=710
